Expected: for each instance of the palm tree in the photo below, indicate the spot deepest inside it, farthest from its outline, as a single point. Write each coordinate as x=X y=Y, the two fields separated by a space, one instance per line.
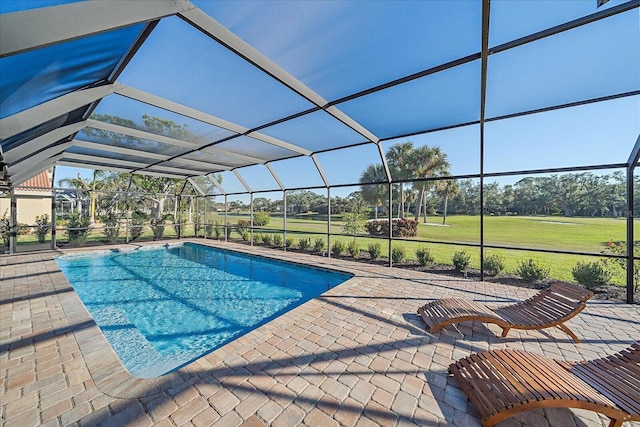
x=445 y=189
x=375 y=194
x=399 y=158
x=427 y=162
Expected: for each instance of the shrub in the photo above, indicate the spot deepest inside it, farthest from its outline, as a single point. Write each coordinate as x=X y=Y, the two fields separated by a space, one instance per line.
x=257 y=238
x=260 y=219
x=304 y=243
x=42 y=227
x=228 y=230
x=137 y=224
x=112 y=228
x=158 y=225
x=245 y=235
x=591 y=275
x=461 y=261
x=353 y=248
x=375 y=250
x=78 y=228
x=5 y=228
x=242 y=226
x=267 y=239
x=217 y=230
x=352 y=223
x=424 y=256
x=397 y=253
x=401 y=227
x=288 y=243
x=337 y=248
x=318 y=245
x=620 y=248
x=209 y=228
x=493 y=264
x=277 y=240
x=530 y=271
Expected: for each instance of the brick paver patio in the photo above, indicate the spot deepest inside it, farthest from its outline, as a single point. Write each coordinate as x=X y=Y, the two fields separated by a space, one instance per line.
x=356 y=356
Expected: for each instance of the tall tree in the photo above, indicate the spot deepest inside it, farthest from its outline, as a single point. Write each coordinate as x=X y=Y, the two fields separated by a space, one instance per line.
x=427 y=162
x=399 y=158
x=445 y=189
x=375 y=194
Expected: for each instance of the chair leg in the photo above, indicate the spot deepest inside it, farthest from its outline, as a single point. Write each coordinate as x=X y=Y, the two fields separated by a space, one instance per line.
x=568 y=331
x=505 y=331
x=615 y=423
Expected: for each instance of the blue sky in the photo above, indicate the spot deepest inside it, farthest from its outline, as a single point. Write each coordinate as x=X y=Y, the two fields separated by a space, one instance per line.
x=568 y=67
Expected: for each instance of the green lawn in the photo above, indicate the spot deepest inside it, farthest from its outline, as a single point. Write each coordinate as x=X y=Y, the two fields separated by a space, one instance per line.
x=558 y=233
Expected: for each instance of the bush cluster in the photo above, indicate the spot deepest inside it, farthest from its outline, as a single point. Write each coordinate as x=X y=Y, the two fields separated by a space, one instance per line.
x=424 y=256
x=112 y=228
x=531 y=271
x=304 y=243
x=353 y=248
x=136 y=228
x=398 y=253
x=267 y=239
x=277 y=240
x=337 y=247
x=260 y=219
x=375 y=250
x=78 y=228
x=591 y=275
x=401 y=227
x=318 y=245
x=289 y=242
x=158 y=225
x=42 y=227
x=461 y=261
x=493 y=264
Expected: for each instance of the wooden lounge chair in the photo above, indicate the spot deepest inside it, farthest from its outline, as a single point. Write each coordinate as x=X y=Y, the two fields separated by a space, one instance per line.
x=551 y=307
x=501 y=383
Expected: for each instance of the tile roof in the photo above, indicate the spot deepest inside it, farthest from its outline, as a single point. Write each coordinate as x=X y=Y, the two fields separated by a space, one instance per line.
x=42 y=180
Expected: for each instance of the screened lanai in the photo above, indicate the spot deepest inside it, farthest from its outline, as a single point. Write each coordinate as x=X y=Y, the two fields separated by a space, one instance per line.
x=244 y=103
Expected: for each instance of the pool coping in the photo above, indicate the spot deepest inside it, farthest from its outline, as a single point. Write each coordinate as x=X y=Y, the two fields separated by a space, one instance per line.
x=107 y=371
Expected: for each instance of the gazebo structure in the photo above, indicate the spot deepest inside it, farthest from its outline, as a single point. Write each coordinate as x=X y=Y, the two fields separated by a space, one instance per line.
x=203 y=113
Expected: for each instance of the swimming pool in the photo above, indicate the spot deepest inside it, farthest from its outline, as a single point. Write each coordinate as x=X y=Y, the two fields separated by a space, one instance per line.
x=162 y=307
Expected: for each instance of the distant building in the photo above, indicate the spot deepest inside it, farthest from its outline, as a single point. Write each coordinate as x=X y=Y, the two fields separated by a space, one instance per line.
x=33 y=198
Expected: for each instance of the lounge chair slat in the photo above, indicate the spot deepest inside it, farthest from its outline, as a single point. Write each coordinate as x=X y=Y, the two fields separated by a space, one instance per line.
x=613 y=379
x=485 y=385
x=496 y=373
x=551 y=307
x=518 y=381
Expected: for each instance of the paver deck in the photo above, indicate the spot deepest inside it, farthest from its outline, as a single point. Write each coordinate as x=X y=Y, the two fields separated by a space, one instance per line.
x=356 y=356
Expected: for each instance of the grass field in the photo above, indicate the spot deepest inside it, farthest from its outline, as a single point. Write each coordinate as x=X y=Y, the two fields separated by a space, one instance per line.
x=557 y=233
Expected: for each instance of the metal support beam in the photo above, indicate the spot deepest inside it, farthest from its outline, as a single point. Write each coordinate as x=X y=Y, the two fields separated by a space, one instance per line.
x=328 y=221
x=242 y=181
x=13 y=224
x=41 y=27
x=251 y=218
x=484 y=57
x=275 y=176
x=28 y=119
x=631 y=165
x=33 y=146
x=284 y=213
x=390 y=186
x=320 y=171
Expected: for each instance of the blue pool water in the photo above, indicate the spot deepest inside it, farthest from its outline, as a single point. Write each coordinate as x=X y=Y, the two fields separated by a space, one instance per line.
x=163 y=307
